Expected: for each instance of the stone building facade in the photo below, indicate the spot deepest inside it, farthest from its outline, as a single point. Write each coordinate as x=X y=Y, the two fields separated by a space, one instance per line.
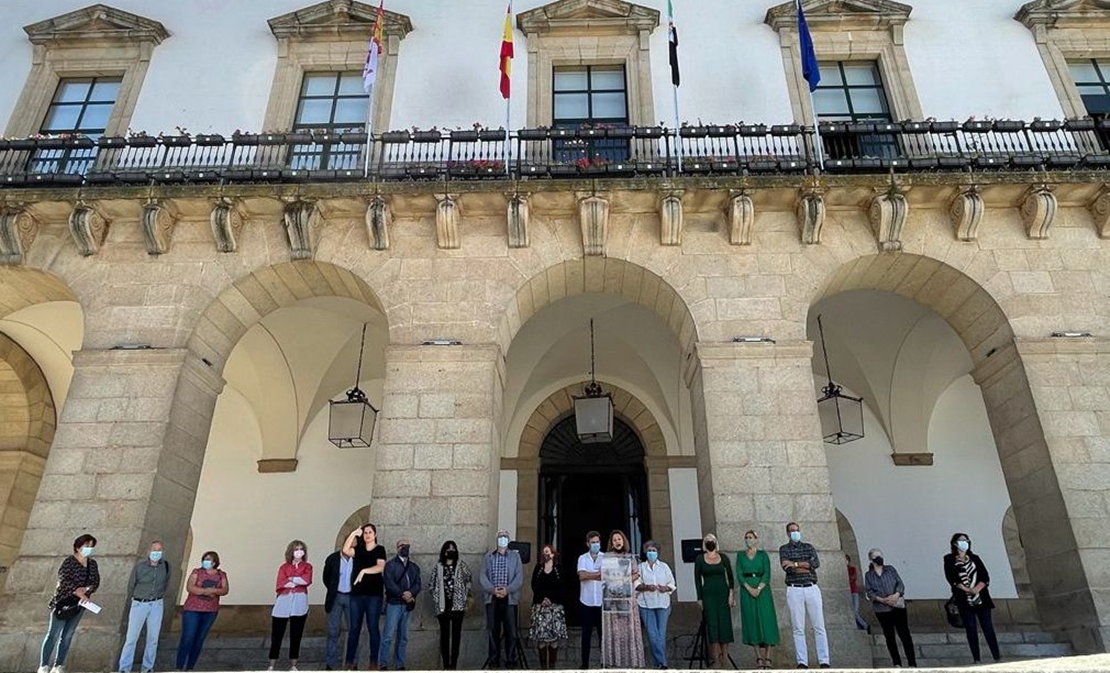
x=134 y=315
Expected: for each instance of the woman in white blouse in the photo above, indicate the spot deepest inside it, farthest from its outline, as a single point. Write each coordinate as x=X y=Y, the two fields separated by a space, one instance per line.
x=653 y=594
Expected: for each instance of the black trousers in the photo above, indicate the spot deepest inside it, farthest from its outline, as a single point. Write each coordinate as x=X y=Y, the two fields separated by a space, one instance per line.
x=897 y=620
x=450 y=631
x=501 y=621
x=591 y=619
x=277 y=634
x=969 y=615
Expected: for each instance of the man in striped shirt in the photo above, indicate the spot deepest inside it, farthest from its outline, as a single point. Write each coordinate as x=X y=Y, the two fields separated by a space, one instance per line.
x=799 y=560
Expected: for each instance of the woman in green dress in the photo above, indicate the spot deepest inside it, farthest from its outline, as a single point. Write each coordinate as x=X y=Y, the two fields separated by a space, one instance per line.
x=758 y=625
x=716 y=598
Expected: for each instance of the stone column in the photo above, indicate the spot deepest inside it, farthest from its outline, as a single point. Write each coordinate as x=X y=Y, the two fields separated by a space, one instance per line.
x=437 y=468
x=124 y=466
x=1049 y=404
x=761 y=465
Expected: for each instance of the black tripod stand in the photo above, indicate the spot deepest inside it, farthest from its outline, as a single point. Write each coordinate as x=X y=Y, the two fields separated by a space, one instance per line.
x=699 y=651
x=517 y=659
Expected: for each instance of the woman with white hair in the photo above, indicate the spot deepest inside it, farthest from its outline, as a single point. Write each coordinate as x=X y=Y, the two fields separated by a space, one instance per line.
x=886 y=593
x=716 y=589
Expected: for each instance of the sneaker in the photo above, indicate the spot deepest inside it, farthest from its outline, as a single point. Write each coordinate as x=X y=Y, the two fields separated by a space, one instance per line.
x=293 y=667
x=823 y=666
x=58 y=669
x=44 y=669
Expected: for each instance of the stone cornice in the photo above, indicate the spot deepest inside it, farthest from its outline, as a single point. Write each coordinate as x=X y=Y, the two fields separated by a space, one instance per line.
x=96 y=23
x=337 y=20
x=1065 y=14
x=581 y=17
x=840 y=15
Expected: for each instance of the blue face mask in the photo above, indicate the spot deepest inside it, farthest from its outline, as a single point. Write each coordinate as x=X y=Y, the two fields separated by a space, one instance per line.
x=206 y=564
x=963 y=545
x=652 y=556
x=155 y=556
x=795 y=536
x=502 y=542
x=86 y=551
x=595 y=547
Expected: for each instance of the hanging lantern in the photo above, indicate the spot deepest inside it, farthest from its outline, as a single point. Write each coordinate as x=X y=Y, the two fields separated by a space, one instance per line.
x=351 y=421
x=841 y=414
x=593 y=413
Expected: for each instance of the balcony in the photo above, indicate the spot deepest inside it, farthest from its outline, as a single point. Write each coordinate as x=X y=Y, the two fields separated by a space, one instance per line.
x=550 y=154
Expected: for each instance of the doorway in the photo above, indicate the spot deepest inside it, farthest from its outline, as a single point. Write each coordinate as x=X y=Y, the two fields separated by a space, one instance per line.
x=586 y=487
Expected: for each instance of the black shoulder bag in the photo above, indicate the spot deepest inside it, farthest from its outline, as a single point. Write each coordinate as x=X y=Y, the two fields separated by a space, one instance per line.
x=67 y=607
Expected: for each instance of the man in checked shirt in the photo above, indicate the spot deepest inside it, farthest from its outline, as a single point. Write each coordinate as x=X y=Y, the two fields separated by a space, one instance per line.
x=799 y=560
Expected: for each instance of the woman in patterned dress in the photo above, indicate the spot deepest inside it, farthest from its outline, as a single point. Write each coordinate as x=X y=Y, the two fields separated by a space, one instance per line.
x=450 y=591
x=549 y=624
x=621 y=636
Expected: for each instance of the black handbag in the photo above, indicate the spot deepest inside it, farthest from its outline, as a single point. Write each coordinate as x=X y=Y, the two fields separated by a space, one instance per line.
x=952 y=614
x=67 y=608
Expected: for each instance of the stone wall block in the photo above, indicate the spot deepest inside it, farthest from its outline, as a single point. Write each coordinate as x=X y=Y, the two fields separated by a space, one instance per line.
x=88 y=228
x=519 y=221
x=226 y=223
x=966 y=213
x=379 y=221
x=448 y=215
x=437 y=406
x=593 y=217
x=460 y=482
x=158 y=222
x=887 y=214
x=1038 y=211
x=741 y=218
x=671 y=220
x=433 y=457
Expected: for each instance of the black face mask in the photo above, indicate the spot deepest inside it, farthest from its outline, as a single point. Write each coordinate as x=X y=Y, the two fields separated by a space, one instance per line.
x=452 y=555
x=710 y=546
x=878 y=560
x=403 y=551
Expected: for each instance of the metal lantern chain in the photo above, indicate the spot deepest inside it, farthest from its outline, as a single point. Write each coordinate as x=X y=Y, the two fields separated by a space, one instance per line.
x=831 y=390
x=592 y=388
x=837 y=407
x=355 y=394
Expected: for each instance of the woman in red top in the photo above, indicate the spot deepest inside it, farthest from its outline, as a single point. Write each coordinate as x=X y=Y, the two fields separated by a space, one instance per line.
x=205 y=586
x=291 y=607
x=853 y=594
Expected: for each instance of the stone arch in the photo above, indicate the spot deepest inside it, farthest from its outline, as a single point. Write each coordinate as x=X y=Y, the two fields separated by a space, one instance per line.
x=1064 y=599
x=27 y=422
x=249 y=299
x=602 y=275
x=556 y=407
x=21 y=287
x=357 y=518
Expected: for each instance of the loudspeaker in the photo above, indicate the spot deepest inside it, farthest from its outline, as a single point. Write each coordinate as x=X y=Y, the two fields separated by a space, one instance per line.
x=525 y=550
x=691 y=550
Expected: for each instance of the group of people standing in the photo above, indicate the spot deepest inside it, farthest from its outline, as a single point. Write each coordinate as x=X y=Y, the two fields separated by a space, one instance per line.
x=360 y=579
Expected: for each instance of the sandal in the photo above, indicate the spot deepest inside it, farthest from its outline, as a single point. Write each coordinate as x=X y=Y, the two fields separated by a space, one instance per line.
x=759 y=662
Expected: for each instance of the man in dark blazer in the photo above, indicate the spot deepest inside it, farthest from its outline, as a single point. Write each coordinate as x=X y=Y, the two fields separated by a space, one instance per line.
x=337 y=601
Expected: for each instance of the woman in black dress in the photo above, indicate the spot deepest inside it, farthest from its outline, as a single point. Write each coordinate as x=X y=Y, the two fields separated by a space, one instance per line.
x=549 y=624
x=970 y=582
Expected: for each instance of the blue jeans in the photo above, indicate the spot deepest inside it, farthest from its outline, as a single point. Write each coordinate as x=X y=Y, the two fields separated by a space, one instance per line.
x=396 y=622
x=194 y=629
x=148 y=614
x=340 y=610
x=655 y=624
x=370 y=609
x=59 y=635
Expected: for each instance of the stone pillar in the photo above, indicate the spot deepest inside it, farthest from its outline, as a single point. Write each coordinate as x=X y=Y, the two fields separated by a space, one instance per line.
x=761 y=465
x=124 y=466
x=437 y=469
x=1049 y=404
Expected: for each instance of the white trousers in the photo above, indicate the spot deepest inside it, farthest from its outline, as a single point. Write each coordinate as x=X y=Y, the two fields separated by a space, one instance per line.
x=802 y=601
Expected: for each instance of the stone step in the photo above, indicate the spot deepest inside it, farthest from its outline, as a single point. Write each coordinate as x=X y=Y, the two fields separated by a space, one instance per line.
x=950 y=648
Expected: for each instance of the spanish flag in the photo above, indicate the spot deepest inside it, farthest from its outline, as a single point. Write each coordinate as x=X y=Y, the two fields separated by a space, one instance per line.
x=374 y=51
x=507 y=55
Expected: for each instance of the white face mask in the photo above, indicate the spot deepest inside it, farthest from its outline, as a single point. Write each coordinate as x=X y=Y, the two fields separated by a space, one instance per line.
x=502 y=542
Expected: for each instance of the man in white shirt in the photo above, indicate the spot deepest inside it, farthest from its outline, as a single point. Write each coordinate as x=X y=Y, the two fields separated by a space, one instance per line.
x=589 y=575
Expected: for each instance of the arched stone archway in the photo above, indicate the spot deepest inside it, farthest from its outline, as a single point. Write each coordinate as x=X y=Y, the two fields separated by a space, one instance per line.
x=27 y=423
x=556 y=407
x=21 y=287
x=1021 y=380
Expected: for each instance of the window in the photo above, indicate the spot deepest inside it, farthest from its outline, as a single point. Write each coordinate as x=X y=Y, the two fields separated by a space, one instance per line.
x=1092 y=79
x=81 y=106
x=592 y=96
x=332 y=102
x=852 y=91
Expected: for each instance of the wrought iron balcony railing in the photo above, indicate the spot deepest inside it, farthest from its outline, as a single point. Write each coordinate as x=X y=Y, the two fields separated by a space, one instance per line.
x=867 y=147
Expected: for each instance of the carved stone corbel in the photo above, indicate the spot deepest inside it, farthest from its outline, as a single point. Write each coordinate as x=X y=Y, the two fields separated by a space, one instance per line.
x=226 y=224
x=88 y=229
x=18 y=230
x=519 y=219
x=671 y=221
x=811 y=215
x=1100 y=212
x=448 y=215
x=966 y=212
x=158 y=224
x=593 y=216
x=1038 y=210
x=741 y=218
x=302 y=220
x=887 y=214
x=379 y=220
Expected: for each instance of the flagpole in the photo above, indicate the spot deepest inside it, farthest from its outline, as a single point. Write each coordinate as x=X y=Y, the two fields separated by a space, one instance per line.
x=818 y=146
x=672 y=37
x=508 y=115
x=677 y=132
x=369 y=134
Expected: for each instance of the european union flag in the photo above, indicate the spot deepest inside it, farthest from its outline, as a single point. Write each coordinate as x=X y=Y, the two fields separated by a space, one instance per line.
x=810 y=70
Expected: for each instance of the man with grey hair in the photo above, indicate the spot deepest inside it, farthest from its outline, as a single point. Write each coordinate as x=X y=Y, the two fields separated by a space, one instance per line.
x=501 y=578
x=146 y=588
